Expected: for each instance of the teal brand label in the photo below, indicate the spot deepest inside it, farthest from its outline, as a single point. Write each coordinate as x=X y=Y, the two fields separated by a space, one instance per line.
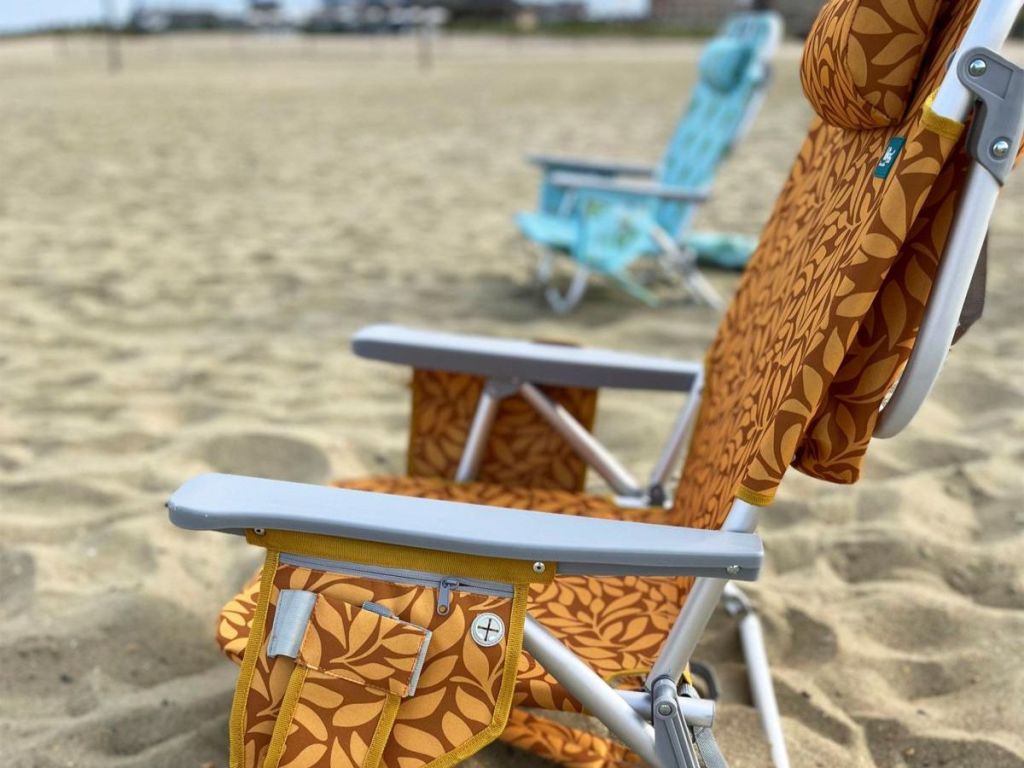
x=889 y=157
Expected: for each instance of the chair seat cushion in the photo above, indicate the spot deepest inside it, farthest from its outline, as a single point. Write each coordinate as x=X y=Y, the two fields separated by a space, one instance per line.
x=615 y=624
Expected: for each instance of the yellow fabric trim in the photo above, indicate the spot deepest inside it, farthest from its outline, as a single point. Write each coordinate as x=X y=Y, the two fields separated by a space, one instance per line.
x=936 y=123
x=283 y=724
x=757 y=498
x=503 y=705
x=382 y=731
x=236 y=735
x=394 y=556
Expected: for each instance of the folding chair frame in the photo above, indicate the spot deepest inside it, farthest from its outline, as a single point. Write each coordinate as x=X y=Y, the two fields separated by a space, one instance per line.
x=675 y=260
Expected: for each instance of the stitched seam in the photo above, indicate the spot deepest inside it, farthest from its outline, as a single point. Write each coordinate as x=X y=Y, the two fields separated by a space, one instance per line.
x=503 y=705
x=253 y=648
x=382 y=732
x=757 y=498
x=279 y=738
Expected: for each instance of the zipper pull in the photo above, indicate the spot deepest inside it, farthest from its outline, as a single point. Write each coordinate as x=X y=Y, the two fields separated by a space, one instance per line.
x=444 y=594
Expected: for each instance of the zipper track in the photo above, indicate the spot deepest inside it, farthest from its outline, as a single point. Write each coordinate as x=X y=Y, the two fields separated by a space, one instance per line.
x=402 y=576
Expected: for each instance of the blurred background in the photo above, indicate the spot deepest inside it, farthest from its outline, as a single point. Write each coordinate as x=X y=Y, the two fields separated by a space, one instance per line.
x=200 y=203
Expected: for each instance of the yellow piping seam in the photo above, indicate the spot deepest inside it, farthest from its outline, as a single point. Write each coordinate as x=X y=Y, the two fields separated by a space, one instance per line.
x=284 y=717
x=936 y=123
x=756 y=498
x=394 y=556
x=253 y=647
x=382 y=732
x=503 y=705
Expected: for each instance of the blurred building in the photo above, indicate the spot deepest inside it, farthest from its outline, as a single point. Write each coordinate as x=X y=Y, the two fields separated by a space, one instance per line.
x=398 y=15
x=532 y=15
x=156 y=20
x=267 y=14
x=708 y=14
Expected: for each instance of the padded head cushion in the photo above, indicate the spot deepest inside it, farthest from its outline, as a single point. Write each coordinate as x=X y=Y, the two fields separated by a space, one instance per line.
x=723 y=62
x=862 y=59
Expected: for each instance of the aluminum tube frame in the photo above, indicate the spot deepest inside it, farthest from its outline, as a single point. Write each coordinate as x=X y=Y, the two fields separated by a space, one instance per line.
x=697 y=712
x=989 y=29
x=699 y=606
x=761 y=688
x=479 y=430
x=591 y=691
x=681 y=431
x=584 y=443
x=942 y=314
x=755 y=656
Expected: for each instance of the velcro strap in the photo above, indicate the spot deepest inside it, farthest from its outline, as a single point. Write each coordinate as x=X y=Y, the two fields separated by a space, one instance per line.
x=365 y=644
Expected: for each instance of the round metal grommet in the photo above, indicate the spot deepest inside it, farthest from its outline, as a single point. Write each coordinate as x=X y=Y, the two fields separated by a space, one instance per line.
x=732 y=570
x=259 y=531
x=539 y=567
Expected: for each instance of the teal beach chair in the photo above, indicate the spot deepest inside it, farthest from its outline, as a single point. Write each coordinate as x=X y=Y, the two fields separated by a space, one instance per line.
x=607 y=217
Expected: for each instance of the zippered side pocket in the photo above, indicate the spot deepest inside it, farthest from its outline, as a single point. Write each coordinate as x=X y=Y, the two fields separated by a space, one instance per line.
x=444 y=585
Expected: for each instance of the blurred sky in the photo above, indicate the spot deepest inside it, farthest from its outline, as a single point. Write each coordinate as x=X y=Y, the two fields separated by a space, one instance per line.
x=27 y=14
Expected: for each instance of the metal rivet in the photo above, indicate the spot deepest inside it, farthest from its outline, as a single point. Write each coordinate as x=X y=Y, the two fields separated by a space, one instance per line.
x=442 y=609
x=977 y=67
x=1000 y=148
x=732 y=570
x=665 y=709
x=539 y=567
x=259 y=531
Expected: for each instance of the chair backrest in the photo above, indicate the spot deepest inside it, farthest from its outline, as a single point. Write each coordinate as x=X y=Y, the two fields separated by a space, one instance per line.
x=834 y=290
x=733 y=74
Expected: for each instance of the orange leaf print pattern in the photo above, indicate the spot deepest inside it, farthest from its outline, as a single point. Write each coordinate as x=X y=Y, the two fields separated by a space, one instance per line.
x=349 y=642
x=522 y=448
x=861 y=59
x=835 y=234
x=359 y=661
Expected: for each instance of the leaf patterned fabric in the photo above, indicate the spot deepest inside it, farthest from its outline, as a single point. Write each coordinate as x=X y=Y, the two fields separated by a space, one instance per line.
x=462 y=697
x=351 y=643
x=835 y=233
x=564 y=744
x=862 y=58
x=521 y=449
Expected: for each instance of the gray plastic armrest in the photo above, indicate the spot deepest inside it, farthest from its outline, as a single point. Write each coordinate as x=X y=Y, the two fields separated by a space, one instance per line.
x=557 y=162
x=583 y=182
x=579 y=545
x=511 y=360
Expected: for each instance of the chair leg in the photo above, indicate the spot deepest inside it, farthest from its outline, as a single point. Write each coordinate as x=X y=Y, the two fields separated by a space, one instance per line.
x=565 y=303
x=756 y=657
x=682 y=265
x=545 y=264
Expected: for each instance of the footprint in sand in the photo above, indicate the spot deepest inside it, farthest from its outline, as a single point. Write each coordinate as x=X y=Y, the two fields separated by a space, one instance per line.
x=138 y=641
x=893 y=746
x=266 y=455
x=18 y=576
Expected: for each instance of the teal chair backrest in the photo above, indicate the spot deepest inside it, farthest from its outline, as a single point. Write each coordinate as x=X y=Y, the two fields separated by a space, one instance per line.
x=732 y=75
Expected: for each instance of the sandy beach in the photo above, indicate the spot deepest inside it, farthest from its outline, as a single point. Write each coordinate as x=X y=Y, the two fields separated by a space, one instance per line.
x=185 y=250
